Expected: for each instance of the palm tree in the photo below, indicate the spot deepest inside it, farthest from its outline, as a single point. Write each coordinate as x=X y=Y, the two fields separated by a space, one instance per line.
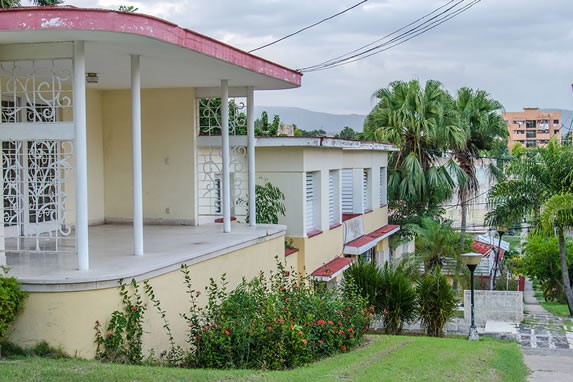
x=421 y=122
x=557 y=216
x=537 y=180
x=46 y=3
x=435 y=242
x=485 y=129
x=10 y=3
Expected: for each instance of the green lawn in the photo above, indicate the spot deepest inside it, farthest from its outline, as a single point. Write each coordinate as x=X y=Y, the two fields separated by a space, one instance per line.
x=388 y=358
x=552 y=307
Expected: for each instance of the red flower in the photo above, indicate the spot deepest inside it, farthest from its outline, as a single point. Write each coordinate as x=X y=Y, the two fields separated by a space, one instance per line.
x=343 y=348
x=341 y=331
x=371 y=308
x=330 y=323
x=269 y=328
x=227 y=332
x=281 y=320
x=366 y=327
x=214 y=325
x=300 y=332
x=350 y=330
x=134 y=307
x=320 y=322
x=304 y=341
x=287 y=273
x=204 y=329
x=282 y=289
x=295 y=286
x=320 y=342
x=198 y=293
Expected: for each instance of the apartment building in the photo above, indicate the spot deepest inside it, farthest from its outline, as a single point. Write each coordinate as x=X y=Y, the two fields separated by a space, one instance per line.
x=532 y=127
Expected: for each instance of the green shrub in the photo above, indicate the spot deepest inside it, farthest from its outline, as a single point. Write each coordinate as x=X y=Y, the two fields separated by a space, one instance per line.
x=396 y=300
x=389 y=291
x=436 y=302
x=273 y=323
x=41 y=349
x=11 y=300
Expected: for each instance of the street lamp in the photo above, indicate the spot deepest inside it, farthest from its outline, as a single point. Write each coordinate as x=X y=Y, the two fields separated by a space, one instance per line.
x=500 y=231
x=472 y=260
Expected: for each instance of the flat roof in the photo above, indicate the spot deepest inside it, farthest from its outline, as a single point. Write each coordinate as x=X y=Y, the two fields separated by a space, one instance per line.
x=172 y=56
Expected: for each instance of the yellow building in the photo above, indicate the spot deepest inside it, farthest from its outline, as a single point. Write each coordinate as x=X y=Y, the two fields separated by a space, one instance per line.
x=108 y=175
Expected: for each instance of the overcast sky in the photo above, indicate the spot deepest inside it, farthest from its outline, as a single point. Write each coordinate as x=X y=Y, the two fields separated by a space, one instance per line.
x=520 y=51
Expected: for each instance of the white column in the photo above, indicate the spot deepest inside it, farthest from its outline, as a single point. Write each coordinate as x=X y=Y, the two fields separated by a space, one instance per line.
x=81 y=168
x=226 y=156
x=251 y=154
x=136 y=156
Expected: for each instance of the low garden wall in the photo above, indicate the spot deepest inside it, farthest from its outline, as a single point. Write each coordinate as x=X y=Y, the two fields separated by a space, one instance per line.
x=494 y=305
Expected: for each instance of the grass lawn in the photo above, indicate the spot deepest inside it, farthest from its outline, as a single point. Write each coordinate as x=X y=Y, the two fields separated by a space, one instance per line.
x=552 y=307
x=388 y=358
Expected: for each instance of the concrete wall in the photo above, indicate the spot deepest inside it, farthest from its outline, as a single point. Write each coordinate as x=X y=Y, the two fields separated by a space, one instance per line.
x=494 y=305
x=66 y=319
x=168 y=150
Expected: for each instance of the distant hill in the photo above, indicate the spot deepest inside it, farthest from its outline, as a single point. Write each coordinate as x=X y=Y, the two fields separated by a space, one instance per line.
x=313 y=120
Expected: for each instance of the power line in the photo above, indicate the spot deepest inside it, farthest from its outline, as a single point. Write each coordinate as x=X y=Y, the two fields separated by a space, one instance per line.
x=308 y=27
x=422 y=28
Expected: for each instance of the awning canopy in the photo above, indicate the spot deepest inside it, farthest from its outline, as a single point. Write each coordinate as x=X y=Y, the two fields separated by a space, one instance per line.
x=332 y=269
x=365 y=242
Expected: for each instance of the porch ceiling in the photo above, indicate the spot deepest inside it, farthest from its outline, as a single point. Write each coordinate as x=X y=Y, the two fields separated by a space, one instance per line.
x=170 y=55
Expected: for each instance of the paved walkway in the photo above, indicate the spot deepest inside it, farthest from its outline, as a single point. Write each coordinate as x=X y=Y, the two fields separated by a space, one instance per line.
x=546 y=341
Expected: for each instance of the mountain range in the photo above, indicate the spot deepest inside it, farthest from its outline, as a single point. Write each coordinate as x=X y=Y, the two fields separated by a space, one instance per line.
x=333 y=123
x=313 y=120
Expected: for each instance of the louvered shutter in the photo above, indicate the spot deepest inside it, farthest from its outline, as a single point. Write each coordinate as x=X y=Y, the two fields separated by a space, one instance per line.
x=309 y=207
x=383 y=186
x=347 y=207
x=331 y=198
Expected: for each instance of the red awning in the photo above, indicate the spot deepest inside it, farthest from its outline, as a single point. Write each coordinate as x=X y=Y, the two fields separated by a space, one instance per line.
x=332 y=269
x=365 y=242
x=485 y=249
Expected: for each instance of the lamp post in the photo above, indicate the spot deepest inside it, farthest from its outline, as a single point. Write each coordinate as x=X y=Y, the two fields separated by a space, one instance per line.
x=472 y=260
x=500 y=231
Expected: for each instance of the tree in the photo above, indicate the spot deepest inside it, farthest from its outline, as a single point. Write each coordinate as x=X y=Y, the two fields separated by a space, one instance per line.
x=422 y=122
x=346 y=133
x=265 y=129
x=10 y=3
x=540 y=185
x=435 y=242
x=479 y=116
x=558 y=215
x=46 y=3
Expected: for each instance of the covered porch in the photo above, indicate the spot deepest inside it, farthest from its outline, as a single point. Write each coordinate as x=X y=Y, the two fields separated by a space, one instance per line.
x=99 y=124
x=111 y=254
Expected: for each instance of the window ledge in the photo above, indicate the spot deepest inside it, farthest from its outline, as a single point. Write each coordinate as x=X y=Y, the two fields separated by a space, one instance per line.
x=335 y=226
x=313 y=233
x=346 y=217
x=290 y=251
x=220 y=220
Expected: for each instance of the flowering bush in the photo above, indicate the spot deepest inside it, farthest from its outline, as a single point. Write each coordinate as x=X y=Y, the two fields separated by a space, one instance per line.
x=273 y=323
x=11 y=300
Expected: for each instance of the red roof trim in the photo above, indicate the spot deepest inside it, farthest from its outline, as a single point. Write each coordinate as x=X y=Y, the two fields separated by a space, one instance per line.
x=365 y=239
x=333 y=267
x=71 y=18
x=290 y=251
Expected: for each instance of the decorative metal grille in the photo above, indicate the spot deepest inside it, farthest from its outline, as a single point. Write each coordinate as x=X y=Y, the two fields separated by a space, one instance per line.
x=210 y=181
x=210 y=116
x=35 y=91
x=35 y=177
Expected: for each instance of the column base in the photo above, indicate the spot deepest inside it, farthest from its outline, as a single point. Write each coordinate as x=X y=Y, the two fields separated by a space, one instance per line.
x=473 y=336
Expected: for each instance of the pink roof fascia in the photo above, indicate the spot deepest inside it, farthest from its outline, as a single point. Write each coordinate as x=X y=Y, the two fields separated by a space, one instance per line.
x=365 y=242
x=105 y=20
x=333 y=268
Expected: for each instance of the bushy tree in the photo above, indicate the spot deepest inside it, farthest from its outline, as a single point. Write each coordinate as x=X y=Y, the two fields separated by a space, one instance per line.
x=436 y=302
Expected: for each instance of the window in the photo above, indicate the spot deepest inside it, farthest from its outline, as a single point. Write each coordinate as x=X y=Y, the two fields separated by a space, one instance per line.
x=311 y=202
x=531 y=134
x=347 y=194
x=530 y=124
x=556 y=131
x=532 y=143
x=519 y=132
x=383 y=186
x=555 y=122
x=333 y=198
x=218 y=194
x=367 y=190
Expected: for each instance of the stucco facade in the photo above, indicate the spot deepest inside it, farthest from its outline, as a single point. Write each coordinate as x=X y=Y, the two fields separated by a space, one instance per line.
x=532 y=127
